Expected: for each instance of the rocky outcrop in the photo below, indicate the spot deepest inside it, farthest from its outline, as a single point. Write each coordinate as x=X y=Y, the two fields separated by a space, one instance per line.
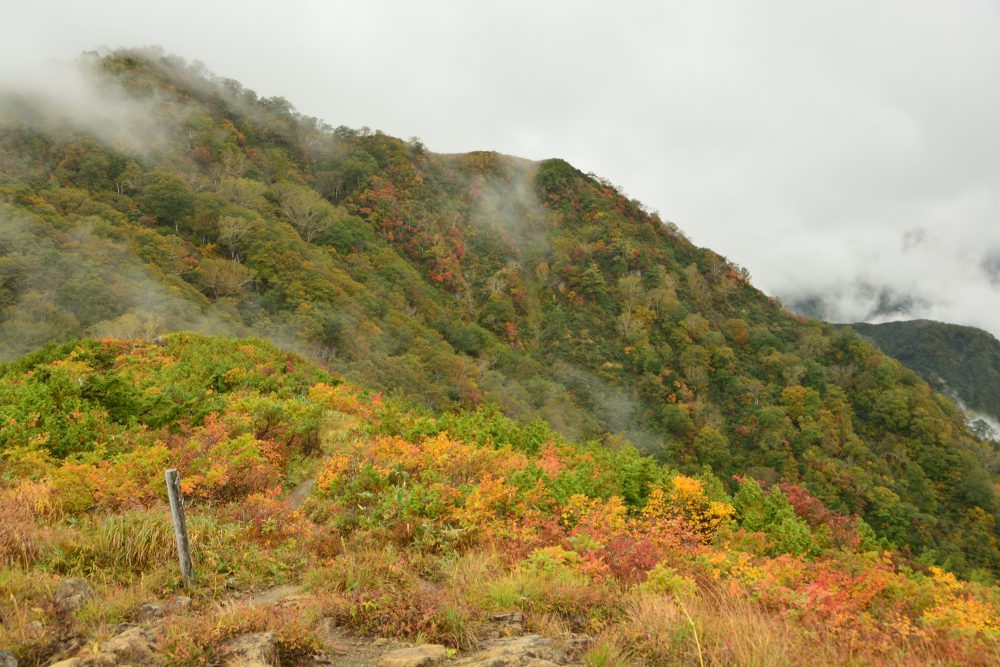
x=525 y=651
x=422 y=655
x=134 y=646
x=149 y=611
x=71 y=593
x=258 y=649
x=276 y=595
x=510 y=624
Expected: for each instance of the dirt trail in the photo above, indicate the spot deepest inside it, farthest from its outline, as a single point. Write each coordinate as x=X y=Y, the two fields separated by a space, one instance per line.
x=298 y=495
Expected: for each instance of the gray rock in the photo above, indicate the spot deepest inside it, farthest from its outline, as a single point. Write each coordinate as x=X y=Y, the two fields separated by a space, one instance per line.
x=155 y=609
x=134 y=646
x=275 y=595
x=507 y=625
x=68 y=647
x=178 y=603
x=122 y=627
x=423 y=655
x=258 y=649
x=525 y=651
x=578 y=644
x=7 y=659
x=149 y=611
x=71 y=593
x=509 y=617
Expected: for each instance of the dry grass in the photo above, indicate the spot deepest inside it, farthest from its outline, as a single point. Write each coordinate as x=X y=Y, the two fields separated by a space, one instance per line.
x=735 y=631
x=608 y=653
x=26 y=610
x=23 y=539
x=134 y=541
x=662 y=629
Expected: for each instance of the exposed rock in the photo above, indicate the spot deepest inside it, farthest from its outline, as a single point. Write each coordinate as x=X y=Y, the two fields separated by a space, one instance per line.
x=275 y=595
x=33 y=629
x=122 y=627
x=342 y=648
x=152 y=610
x=149 y=611
x=509 y=617
x=7 y=659
x=510 y=624
x=178 y=603
x=68 y=646
x=526 y=651
x=578 y=644
x=134 y=646
x=71 y=593
x=258 y=649
x=423 y=655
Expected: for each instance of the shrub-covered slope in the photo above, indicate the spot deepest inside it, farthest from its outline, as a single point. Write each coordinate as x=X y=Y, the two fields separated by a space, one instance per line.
x=377 y=519
x=461 y=280
x=960 y=359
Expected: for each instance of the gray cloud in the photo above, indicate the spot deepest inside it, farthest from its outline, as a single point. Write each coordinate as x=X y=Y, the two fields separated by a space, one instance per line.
x=802 y=140
x=53 y=95
x=991 y=266
x=913 y=238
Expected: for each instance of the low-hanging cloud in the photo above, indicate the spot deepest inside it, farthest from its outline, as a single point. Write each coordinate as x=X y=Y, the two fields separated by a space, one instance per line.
x=507 y=204
x=841 y=151
x=52 y=95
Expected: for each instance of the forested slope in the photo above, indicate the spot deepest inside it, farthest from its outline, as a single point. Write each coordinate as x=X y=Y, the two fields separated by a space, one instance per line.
x=955 y=358
x=458 y=280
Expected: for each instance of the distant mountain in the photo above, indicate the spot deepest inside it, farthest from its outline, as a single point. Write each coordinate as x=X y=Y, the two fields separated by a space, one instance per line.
x=953 y=358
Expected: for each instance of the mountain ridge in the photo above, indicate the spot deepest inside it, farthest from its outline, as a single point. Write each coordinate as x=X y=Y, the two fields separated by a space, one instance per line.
x=456 y=280
x=502 y=411
x=955 y=359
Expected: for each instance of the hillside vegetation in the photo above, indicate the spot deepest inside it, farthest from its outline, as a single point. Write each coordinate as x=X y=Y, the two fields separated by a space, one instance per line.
x=486 y=297
x=419 y=526
x=953 y=358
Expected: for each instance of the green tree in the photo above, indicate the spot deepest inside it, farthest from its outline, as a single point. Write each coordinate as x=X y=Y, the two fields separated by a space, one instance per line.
x=166 y=198
x=308 y=212
x=711 y=446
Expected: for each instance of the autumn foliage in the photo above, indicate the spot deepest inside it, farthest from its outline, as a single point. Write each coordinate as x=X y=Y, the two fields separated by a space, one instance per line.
x=492 y=513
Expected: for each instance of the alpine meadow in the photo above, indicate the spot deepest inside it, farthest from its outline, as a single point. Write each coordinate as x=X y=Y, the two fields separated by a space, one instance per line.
x=430 y=408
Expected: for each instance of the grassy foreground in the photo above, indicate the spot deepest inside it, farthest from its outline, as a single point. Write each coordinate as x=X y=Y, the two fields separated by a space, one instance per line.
x=405 y=524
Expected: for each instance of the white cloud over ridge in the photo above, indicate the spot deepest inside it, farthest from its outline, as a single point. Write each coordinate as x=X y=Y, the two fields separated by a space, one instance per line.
x=845 y=150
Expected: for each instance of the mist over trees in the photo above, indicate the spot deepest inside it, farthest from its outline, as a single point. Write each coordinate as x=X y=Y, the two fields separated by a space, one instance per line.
x=459 y=280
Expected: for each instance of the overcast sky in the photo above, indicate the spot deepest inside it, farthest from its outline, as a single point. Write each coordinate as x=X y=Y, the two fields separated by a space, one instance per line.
x=849 y=150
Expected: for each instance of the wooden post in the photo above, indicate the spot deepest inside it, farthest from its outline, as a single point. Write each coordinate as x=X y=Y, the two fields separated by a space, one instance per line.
x=180 y=527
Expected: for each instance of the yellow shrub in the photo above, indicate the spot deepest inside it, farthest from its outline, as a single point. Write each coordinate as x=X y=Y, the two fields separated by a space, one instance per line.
x=956 y=608
x=687 y=498
x=73 y=487
x=332 y=472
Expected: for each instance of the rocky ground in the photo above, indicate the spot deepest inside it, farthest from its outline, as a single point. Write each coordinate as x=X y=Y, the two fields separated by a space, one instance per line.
x=135 y=643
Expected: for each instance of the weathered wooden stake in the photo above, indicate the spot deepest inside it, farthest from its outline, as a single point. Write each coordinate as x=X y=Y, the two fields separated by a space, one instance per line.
x=180 y=527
